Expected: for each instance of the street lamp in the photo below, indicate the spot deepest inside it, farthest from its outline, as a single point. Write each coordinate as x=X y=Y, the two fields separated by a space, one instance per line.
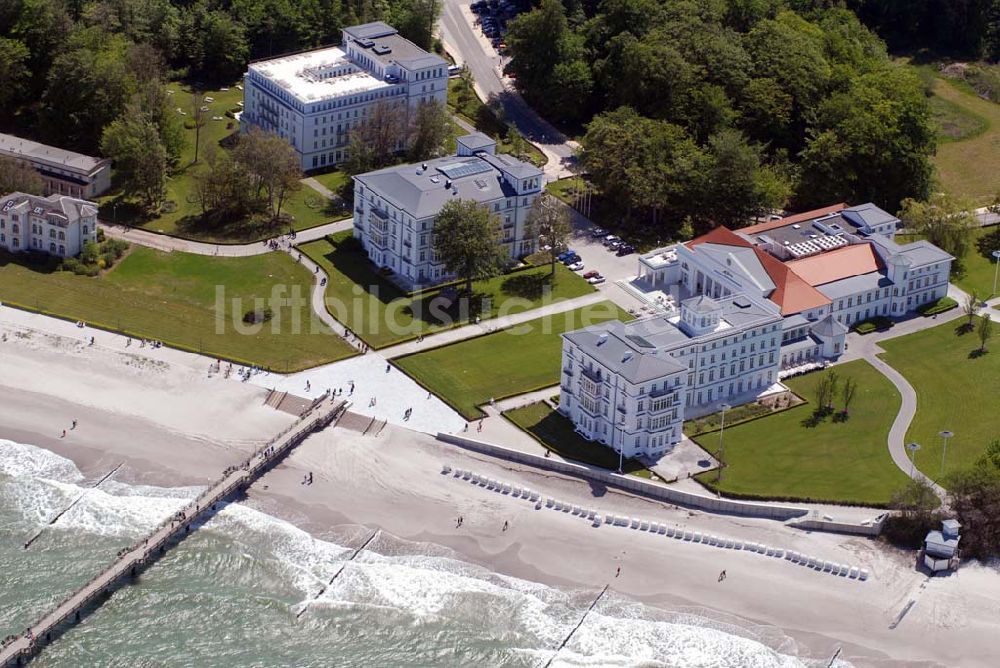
x=945 y=435
x=722 y=447
x=996 y=256
x=912 y=447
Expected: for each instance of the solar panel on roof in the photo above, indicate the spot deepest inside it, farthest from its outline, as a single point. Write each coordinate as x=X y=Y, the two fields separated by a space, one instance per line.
x=460 y=169
x=639 y=341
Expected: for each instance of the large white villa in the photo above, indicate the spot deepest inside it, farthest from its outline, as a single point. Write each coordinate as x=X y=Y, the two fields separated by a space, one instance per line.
x=314 y=98
x=735 y=308
x=395 y=208
x=57 y=224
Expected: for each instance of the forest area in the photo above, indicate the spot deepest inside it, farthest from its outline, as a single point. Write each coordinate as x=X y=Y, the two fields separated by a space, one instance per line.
x=696 y=113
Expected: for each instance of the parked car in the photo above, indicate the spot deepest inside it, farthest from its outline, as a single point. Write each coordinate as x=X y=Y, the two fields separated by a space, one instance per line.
x=571 y=259
x=610 y=239
x=592 y=273
x=576 y=266
x=565 y=254
x=615 y=245
x=596 y=280
x=625 y=249
x=598 y=232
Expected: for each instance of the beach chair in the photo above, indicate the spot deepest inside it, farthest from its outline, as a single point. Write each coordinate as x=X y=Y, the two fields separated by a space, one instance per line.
x=506 y=488
x=696 y=538
x=534 y=495
x=854 y=572
x=661 y=529
x=597 y=521
x=844 y=570
x=609 y=519
x=864 y=574
x=669 y=532
x=737 y=544
x=466 y=475
x=643 y=525
x=557 y=505
x=549 y=502
x=622 y=521
x=445 y=469
x=687 y=535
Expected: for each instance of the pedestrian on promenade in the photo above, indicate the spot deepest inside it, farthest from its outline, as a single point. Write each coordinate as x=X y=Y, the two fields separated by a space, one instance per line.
x=428 y=395
x=722 y=575
x=387 y=367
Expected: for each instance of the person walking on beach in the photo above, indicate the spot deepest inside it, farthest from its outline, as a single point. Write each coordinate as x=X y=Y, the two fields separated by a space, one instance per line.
x=459 y=522
x=505 y=525
x=64 y=434
x=74 y=424
x=618 y=572
x=310 y=477
x=722 y=575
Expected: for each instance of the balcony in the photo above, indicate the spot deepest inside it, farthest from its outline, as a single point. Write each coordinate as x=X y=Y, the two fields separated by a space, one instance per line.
x=592 y=375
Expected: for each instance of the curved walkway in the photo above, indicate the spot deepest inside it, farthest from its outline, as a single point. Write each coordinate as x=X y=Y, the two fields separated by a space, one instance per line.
x=169 y=243
x=897 y=434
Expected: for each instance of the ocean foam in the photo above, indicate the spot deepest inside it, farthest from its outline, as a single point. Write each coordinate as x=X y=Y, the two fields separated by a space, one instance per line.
x=18 y=459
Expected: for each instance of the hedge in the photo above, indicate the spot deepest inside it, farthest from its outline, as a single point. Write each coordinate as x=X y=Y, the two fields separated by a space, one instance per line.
x=939 y=306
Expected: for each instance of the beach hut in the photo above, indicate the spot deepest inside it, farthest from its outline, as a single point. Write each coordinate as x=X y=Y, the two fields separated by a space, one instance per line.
x=941 y=547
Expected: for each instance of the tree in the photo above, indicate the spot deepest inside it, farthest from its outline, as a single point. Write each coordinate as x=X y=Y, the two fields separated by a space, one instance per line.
x=984 y=331
x=850 y=389
x=373 y=142
x=429 y=130
x=271 y=164
x=140 y=159
x=517 y=143
x=870 y=143
x=14 y=71
x=740 y=187
x=18 y=177
x=468 y=240
x=970 y=307
x=549 y=222
x=224 y=189
x=198 y=118
x=974 y=496
x=947 y=222
x=152 y=103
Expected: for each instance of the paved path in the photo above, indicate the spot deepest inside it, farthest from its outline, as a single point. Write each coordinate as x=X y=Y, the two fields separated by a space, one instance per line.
x=320 y=188
x=491 y=325
x=169 y=244
x=470 y=48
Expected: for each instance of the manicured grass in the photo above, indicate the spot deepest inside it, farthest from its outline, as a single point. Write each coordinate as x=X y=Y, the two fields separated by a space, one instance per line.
x=956 y=391
x=556 y=433
x=172 y=297
x=334 y=180
x=782 y=457
x=306 y=205
x=503 y=364
x=967 y=162
x=382 y=315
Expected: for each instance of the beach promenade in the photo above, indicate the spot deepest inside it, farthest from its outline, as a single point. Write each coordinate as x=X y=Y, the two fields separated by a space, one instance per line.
x=130 y=561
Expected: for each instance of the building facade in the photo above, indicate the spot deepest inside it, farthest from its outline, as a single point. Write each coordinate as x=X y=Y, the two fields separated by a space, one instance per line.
x=632 y=385
x=63 y=172
x=395 y=208
x=314 y=98
x=57 y=224
x=752 y=304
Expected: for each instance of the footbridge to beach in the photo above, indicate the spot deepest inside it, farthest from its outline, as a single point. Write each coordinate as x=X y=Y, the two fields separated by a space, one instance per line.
x=17 y=650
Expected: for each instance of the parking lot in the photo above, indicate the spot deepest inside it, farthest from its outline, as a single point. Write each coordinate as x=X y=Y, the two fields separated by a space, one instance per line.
x=492 y=17
x=597 y=257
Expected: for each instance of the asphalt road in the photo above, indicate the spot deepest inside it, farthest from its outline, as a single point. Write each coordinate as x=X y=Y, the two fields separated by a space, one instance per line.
x=469 y=47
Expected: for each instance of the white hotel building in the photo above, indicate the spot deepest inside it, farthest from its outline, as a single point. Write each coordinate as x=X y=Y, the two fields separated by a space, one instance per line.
x=395 y=208
x=57 y=225
x=752 y=303
x=63 y=172
x=314 y=98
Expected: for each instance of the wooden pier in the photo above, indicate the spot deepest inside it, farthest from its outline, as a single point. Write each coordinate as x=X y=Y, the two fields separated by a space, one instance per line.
x=323 y=412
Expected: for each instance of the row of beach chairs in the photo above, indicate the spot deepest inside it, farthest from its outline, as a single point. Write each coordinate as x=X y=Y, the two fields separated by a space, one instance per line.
x=678 y=533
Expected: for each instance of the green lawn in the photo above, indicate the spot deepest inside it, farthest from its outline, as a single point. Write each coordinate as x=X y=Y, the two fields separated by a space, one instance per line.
x=782 y=457
x=967 y=158
x=503 y=364
x=334 y=180
x=172 y=297
x=556 y=433
x=182 y=216
x=955 y=392
x=382 y=315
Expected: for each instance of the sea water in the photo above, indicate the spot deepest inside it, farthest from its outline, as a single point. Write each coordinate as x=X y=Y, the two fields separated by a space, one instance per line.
x=229 y=595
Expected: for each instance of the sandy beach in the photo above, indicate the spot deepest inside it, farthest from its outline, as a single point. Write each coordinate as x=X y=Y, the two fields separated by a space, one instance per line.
x=173 y=425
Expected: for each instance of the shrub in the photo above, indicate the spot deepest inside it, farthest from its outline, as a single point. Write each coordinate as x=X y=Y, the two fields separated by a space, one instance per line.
x=878 y=323
x=189 y=124
x=258 y=315
x=939 y=306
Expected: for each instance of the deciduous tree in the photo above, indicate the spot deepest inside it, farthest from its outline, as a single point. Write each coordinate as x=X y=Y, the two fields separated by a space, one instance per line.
x=430 y=126
x=984 y=331
x=468 y=240
x=946 y=221
x=18 y=177
x=140 y=159
x=549 y=222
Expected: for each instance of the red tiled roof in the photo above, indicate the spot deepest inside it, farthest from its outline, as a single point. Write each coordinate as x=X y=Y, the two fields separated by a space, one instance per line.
x=834 y=265
x=792 y=293
x=791 y=220
x=720 y=235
